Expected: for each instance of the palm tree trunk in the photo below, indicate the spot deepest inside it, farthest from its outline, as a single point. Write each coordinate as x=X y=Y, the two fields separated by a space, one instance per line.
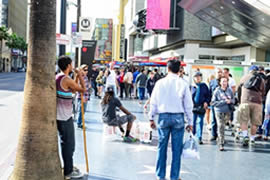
x=37 y=154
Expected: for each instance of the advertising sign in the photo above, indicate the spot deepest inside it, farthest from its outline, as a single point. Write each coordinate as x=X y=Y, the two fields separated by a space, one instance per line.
x=158 y=14
x=73 y=27
x=62 y=39
x=88 y=53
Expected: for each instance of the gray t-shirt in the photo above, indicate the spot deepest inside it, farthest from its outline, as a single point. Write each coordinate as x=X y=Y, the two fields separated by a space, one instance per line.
x=108 y=110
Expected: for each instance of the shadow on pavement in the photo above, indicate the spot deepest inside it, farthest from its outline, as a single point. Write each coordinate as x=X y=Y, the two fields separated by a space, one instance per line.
x=98 y=177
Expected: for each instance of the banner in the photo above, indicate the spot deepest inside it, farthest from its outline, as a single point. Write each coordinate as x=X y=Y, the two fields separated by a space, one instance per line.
x=158 y=14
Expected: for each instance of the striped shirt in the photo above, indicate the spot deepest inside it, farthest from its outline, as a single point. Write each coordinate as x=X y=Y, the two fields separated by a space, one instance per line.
x=64 y=99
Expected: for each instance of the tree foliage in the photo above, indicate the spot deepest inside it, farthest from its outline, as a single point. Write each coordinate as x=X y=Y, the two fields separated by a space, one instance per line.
x=16 y=42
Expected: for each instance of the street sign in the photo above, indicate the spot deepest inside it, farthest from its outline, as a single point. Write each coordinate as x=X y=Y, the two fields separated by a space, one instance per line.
x=62 y=39
x=85 y=24
x=76 y=39
x=122 y=41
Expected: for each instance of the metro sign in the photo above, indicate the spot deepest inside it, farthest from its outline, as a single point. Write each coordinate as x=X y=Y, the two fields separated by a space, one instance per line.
x=85 y=24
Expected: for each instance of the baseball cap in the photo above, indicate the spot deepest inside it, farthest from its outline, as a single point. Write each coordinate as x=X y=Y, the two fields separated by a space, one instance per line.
x=253 y=68
x=197 y=74
x=109 y=89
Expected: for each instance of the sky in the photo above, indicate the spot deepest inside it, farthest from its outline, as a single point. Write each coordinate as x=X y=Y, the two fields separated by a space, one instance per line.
x=90 y=8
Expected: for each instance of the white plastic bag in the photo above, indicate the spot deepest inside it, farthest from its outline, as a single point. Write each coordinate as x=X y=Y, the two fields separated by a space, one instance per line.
x=190 y=149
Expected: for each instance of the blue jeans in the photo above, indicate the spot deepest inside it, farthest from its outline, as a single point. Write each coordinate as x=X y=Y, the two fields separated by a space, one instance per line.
x=198 y=125
x=170 y=123
x=260 y=130
x=267 y=130
x=213 y=123
x=79 y=122
x=141 y=93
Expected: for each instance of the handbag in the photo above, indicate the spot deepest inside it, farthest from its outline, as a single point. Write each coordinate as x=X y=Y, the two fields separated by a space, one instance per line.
x=198 y=109
x=231 y=106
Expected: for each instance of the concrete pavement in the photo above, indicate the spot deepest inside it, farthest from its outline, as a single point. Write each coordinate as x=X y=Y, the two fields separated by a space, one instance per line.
x=111 y=159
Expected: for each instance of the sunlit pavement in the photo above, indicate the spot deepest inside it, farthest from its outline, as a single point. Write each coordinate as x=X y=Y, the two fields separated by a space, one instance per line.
x=112 y=159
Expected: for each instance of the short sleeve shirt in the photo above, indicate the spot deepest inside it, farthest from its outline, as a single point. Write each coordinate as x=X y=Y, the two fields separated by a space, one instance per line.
x=108 y=110
x=231 y=82
x=111 y=78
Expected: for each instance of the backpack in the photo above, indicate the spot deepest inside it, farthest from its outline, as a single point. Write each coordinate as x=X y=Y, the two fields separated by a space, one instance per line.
x=253 y=83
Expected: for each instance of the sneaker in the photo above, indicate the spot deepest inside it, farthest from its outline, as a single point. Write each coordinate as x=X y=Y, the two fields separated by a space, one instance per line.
x=200 y=142
x=252 y=141
x=221 y=147
x=129 y=139
x=265 y=138
x=245 y=141
x=213 y=138
x=74 y=175
x=80 y=126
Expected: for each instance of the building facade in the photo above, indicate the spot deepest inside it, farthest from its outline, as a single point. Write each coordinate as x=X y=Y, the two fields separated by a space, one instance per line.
x=192 y=40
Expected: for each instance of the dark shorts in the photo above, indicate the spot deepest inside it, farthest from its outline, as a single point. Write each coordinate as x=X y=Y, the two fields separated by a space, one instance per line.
x=120 y=120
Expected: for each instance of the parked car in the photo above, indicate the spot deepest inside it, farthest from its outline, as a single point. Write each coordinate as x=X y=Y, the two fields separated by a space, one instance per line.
x=21 y=69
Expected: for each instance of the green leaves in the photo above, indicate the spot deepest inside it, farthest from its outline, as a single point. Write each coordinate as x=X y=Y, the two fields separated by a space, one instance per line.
x=16 y=42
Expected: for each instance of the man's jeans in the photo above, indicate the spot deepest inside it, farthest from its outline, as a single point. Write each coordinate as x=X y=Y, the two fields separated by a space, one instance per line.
x=66 y=133
x=198 y=128
x=141 y=93
x=170 y=123
x=213 y=123
x=79 y=121
x=260 y=130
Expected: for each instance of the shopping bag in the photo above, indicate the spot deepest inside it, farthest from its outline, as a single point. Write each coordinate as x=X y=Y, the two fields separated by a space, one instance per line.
x=190 y=149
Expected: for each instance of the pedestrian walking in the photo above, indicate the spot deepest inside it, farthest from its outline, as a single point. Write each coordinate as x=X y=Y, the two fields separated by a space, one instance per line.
x=149 y=86
x=201 y=98
x=121 y=82
x=93 y=78
x=86 y=95
x=212 y=87
x=64 y=88
x=100 y=83
x=250 y=109
x=223 y=102
x=111 y=78
x=108 y=105
x=141 y=84
x=171 y=98
x=135 y=88
x=128 y=83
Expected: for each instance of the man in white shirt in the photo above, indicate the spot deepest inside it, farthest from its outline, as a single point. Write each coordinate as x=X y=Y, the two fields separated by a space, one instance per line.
x=232 y=84
x=171 y=99
x=111 y=80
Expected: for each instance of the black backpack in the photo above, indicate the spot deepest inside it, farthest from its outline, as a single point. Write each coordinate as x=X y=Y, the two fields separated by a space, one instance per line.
x=253 y=83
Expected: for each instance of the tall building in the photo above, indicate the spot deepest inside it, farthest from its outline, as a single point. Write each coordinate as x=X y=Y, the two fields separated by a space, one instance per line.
x=17 y=17
x=191 y=36
x=4 y=13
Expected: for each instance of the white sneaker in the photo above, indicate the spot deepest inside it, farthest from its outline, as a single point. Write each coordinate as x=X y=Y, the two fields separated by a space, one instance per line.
x=74 y=175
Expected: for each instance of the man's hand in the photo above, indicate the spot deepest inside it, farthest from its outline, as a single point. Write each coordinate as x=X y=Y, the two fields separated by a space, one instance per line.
x=189 y=128
x=205 y=105
x=153 y=124
x=134 y=116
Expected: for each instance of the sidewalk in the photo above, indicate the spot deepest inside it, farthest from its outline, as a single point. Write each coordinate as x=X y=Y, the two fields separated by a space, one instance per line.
x=112 y=159
x=10 y=110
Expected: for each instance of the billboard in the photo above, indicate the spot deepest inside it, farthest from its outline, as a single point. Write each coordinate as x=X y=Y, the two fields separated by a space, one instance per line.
x=103 y=35
x=158 y=14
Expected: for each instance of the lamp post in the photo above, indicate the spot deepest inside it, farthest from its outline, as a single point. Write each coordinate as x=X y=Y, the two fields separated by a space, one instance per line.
x=63 y=23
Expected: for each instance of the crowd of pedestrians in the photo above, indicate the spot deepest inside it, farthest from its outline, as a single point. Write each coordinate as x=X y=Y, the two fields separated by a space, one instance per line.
x=173 y=98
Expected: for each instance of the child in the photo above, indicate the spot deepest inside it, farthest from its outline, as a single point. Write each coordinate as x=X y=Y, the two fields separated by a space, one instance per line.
x=109 y=104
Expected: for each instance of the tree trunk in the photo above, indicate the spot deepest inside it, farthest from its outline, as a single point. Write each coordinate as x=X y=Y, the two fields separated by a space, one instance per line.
x=37 y=154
